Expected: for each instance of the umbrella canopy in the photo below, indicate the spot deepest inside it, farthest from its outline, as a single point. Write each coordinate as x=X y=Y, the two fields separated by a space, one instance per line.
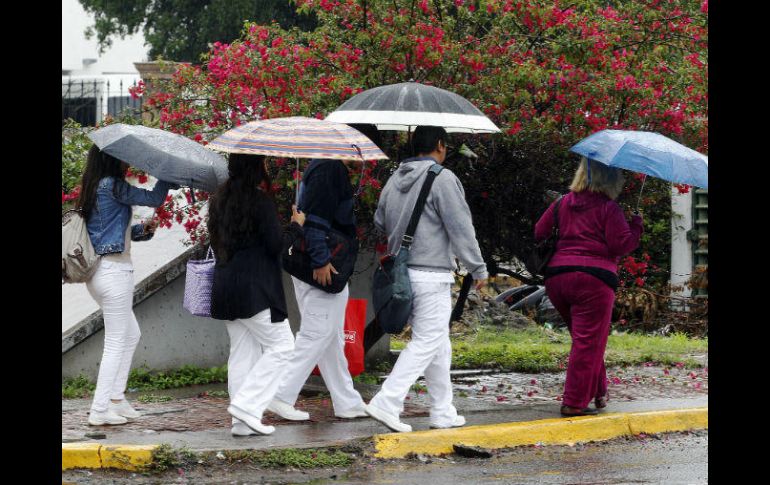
x=648 y=153
x=164 y=155
x=298 y=137
x=404 y=106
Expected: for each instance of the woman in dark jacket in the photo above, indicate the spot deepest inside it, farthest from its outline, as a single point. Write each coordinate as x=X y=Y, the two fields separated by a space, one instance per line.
x=581 y=277
x=247 y=240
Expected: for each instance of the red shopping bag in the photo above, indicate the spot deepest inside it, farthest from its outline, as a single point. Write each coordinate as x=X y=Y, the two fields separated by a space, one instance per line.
x=355 y=323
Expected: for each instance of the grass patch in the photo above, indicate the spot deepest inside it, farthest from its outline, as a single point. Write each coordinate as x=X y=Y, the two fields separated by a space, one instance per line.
x=144 y=379
x=296 y=458
x=537 y=349
x=148 y=398
x=366 y=378
x=218 y=393
x=77 y=387
x=166 y=456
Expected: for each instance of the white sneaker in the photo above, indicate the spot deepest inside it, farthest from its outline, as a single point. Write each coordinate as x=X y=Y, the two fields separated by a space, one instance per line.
x=456 y=423
x=387 y=419
x=124 y=409
x=353 y=413
x=96 y=418
x=287 y=411
x=250 y=421
x=242 y=429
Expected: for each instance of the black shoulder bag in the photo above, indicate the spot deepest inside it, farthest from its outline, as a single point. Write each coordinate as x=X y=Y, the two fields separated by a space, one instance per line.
x=391 y=288
x=543 y=251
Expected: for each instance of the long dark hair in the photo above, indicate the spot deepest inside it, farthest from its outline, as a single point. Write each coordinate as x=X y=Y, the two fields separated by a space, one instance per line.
x=233 y=220
x=98 y=166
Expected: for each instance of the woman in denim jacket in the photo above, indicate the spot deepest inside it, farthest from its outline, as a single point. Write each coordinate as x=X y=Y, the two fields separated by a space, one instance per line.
x=106 y=200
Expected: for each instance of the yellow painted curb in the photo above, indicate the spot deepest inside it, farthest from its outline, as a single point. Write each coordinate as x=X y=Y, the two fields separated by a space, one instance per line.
x=559 y=431
x=94 y=455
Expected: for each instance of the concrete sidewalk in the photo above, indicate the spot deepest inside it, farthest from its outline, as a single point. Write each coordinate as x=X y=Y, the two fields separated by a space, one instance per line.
x=501 y=409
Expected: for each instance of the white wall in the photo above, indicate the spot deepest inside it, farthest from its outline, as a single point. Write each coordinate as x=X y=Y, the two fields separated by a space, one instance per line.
x=118 y=59
x=681 y=247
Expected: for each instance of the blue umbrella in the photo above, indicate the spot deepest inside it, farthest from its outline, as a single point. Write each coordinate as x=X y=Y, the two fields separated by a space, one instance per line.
x=648 y=153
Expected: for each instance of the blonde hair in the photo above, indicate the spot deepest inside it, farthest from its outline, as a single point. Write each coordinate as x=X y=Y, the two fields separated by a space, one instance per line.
x=606 y=180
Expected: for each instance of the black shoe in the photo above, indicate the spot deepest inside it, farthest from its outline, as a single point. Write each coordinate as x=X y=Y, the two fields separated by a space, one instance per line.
x=570 y=411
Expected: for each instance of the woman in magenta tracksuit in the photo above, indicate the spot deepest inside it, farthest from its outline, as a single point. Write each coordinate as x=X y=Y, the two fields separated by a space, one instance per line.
x=581 y=277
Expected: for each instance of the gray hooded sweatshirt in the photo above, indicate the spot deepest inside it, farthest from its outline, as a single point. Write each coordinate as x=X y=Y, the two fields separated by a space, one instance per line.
x=445 y=229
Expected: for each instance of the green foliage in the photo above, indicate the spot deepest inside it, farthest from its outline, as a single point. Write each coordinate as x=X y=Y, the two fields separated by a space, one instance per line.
x=77 y=387
x=166 y=456
x=74 y=149
x=366 y=378
x=182 y=30
x=296 y=458
x=143 y=379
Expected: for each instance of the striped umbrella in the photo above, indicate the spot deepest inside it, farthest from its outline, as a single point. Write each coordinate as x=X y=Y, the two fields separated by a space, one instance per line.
x=298 y=137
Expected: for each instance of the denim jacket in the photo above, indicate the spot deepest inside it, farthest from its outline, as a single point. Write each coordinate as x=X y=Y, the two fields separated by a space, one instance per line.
x=110 y=215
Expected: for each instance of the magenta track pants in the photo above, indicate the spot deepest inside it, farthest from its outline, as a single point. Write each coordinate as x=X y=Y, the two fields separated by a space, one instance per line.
x=585 y=303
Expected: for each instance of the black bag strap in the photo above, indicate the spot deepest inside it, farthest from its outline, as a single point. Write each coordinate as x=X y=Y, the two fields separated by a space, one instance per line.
x=408 y=238
x=555 y=228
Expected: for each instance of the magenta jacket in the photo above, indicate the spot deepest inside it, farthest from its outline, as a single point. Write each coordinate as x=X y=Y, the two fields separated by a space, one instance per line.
x=592 y=231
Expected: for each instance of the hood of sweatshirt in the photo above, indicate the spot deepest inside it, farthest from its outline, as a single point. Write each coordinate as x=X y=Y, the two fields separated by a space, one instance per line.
x=409 y=171
x=585 y=200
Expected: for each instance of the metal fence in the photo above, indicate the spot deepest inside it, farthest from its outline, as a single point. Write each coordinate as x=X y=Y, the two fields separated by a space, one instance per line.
x=89 y=101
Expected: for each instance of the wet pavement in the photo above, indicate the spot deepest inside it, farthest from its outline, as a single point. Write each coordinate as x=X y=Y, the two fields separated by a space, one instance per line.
x=197 y=418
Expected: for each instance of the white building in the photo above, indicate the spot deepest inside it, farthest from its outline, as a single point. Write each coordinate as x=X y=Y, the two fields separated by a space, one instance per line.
x=94 y=84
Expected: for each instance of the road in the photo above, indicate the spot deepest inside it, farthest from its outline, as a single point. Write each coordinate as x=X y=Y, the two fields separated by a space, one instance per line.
x=676 y=458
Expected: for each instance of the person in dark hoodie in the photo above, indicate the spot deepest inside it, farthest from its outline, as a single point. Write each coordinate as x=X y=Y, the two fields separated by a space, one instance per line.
x=326 y=197
x=581 y=276
x=445 y=230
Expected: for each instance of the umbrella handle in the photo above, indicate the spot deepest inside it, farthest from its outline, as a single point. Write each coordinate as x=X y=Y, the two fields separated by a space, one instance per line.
x=644 y=179
x=363 y=166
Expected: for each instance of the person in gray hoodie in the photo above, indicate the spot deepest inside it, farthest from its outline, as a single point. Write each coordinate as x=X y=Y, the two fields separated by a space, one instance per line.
x=445 y=231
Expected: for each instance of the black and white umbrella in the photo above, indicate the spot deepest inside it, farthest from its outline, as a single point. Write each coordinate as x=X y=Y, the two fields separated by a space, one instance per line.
x=167 y=156
x=404 y=106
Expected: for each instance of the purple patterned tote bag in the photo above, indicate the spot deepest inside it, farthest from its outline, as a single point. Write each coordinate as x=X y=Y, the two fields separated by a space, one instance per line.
x=197 y=285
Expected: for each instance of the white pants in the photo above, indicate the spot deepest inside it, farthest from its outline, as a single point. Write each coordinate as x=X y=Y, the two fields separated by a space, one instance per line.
x=259 y=353
x=321 y=341
x=112 y=286
x=429 y=353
